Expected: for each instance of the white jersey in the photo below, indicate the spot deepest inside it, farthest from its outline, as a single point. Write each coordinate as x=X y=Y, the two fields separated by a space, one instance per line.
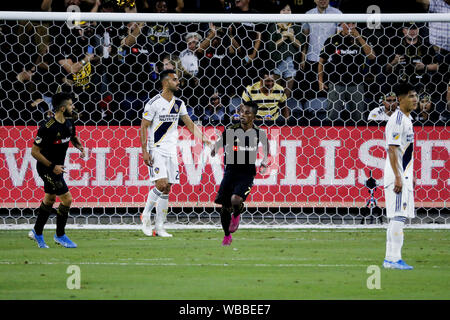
x=378 y=114
x=163 y=132
x=399 y=132
x=189 y=61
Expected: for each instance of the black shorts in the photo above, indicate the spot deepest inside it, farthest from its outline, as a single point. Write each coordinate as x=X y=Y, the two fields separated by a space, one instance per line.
x=53 y=183
x=234 y=183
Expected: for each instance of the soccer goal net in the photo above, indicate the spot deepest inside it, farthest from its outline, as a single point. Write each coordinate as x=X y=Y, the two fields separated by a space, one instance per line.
x=323 y=84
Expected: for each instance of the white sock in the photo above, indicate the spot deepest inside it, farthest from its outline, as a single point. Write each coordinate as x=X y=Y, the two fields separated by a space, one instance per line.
x=152 y=198
x=388 y=256
x=161 y=211
x=396 y=232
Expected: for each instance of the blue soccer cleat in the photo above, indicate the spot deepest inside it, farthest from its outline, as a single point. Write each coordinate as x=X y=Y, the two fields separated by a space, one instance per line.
x=401 y=265
x=64 y=241
x=387 y=264
x=39 y=239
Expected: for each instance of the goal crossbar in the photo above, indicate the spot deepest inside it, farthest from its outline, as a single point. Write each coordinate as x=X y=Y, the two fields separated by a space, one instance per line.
x=223 y=17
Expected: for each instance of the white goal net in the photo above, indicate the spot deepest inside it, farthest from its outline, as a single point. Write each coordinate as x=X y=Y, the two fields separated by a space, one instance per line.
x=323 y=85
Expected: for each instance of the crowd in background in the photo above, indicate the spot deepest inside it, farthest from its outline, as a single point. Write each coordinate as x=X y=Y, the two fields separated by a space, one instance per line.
x=298 y=73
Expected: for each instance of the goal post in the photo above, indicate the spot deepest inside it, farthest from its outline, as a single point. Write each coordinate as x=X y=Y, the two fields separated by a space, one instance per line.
x=326 y=167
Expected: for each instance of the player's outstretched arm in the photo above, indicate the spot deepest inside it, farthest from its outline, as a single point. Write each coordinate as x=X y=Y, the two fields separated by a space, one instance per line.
x=195 y=130
x=143 y=133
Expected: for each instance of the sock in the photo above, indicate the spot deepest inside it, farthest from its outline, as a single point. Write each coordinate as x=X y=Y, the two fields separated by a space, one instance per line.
x=388 y=256
x=61 y=219
x=43 y=214
x=237 y=210
x=396 y=233
x=152 y=198
x=161 y=211
x=225 y=219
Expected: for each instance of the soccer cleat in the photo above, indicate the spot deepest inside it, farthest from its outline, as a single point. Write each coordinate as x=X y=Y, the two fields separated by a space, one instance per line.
x=146 y=225
x=401 y=265
x=227 y=240
x=64 y=241
x=39 y=239
x=162 y=233
x=234 y=224
x=387 y=264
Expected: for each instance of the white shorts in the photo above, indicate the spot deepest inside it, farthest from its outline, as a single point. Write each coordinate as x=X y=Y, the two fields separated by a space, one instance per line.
x=399 y=204
x=164 y=167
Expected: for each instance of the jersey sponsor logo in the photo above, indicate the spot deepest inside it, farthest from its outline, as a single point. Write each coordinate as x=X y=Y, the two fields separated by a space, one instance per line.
x=65 y=140
x=410 y=137
x=343 y=51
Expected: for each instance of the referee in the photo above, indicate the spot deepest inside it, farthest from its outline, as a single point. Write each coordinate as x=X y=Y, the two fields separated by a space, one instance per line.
x=240 y=142
x=49 y=149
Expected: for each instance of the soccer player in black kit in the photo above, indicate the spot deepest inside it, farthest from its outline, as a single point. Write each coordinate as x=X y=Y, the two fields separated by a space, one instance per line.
x=49 y=149
x=240 y=142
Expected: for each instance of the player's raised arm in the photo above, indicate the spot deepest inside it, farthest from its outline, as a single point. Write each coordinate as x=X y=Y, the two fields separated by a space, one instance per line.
x=145 y=124
x=195 y=130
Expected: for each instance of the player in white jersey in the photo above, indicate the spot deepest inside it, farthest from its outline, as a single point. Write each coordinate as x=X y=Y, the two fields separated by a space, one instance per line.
x=159 y=137
x=399 y=174
x=384 y=111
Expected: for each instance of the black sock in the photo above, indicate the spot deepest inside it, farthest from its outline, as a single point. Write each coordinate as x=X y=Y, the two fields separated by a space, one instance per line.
x=237 y=210
x=43 y=214
x=61 y=219
x=225 y=219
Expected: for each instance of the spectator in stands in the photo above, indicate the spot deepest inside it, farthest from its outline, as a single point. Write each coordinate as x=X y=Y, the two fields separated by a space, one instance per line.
x=156 y=38
x=342 y=59
x=75 y=53
x=286 y=41
x=215 y=60
x=411 y=60
x=388 y=105
x=246 y=43
x=188 y=56
x=270 y=98
x=316 y=35
x=439 y=37
x=439 y=31
x=215 y=113
x=426 y=114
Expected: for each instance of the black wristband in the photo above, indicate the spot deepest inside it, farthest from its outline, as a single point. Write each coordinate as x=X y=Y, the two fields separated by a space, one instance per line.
x=52 y=166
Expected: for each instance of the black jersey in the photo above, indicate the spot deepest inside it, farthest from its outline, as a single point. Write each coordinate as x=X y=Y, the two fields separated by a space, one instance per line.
x=241 y=148
x=53 y=139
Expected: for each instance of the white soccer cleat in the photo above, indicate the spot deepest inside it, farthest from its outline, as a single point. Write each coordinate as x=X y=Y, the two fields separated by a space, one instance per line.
x=162 y=233
x=146 y=225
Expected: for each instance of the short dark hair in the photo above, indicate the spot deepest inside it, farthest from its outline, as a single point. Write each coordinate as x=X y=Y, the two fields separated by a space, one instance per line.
x=252 y=105
x=165 y=73
x=59 y=100
x=403 y=88
x=264 y=72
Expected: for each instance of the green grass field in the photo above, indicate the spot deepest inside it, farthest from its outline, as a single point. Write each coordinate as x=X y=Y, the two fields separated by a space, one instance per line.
x=260 y=264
